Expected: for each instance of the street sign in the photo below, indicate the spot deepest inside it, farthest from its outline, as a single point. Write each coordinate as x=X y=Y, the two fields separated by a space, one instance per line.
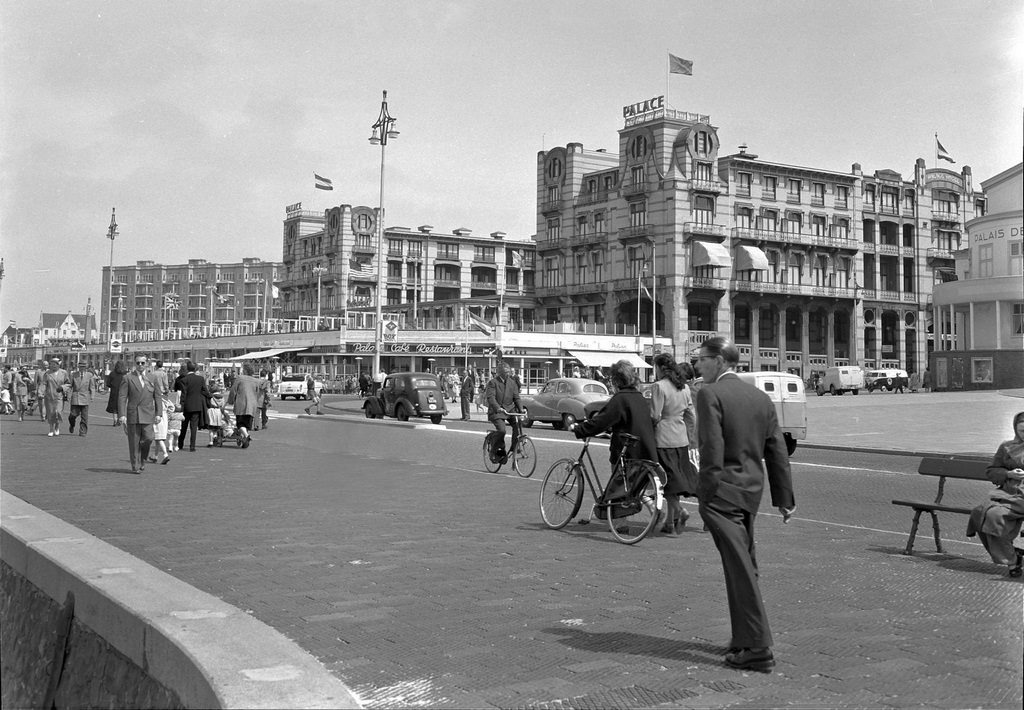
x=389 y=331
x=115 y=345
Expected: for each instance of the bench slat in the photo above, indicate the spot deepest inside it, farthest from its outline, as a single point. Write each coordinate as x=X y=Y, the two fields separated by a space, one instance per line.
x=917 y=505
x=968 y=469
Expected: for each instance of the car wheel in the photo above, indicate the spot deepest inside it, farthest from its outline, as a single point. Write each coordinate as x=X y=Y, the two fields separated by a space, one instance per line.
x=557 y=425
x=435 y=418
x=832 y=390
x=527 y=422
x=821 y=392
x=568 y=420
x=856 y=392
x=402 y=413
x=889 y=382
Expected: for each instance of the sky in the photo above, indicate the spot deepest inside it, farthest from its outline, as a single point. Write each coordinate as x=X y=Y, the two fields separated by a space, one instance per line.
x=201 y=120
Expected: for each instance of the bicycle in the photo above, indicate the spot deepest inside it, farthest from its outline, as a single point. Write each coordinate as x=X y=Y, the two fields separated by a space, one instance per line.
x=630 y=503
x=523 y=459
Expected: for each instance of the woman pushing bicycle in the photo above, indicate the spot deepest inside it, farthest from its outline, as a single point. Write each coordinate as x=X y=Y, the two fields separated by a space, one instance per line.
x=502 y=395
x=627 y=412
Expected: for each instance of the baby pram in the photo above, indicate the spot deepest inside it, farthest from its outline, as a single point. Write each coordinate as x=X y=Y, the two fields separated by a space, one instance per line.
x=223 y=427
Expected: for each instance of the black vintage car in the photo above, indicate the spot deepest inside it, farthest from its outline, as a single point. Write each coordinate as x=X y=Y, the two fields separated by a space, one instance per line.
x=408 y=394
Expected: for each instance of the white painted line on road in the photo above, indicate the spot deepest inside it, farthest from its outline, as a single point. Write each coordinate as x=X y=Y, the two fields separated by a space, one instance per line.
x=593 y=441
x=849 y=468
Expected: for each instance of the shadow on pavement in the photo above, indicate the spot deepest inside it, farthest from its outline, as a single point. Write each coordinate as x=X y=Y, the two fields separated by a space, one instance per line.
x=639 y=645
x=950 y=562
x=125 y=471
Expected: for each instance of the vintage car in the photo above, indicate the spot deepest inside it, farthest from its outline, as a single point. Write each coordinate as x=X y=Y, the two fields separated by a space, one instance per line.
x=562 y=401
x=295 y=386
x=405 y=395
x=886 y=380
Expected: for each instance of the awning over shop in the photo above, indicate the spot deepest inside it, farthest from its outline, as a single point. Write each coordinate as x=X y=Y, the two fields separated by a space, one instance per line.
x=601 y=358
x=710 y=254
x=751 y=259
x=265 y=354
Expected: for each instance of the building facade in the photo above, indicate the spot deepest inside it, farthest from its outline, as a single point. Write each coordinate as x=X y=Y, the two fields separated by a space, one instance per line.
x=980 y=313
x=802 y=267
x=184 y=299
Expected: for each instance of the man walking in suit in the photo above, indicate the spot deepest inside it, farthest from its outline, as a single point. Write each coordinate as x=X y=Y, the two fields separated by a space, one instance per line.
x=738 y=428
x=138 y=408
x=193 y=404
x=466 y=392
x=83 y=387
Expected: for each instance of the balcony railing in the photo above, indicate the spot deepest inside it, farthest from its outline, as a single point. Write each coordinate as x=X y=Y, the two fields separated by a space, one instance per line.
x=447 y=283
x=888 y=249
x=770 y=235
x=888 y=209
x=639 y=231
x=634 y=189
x=588 y=238
x=364 y=247
x=934 y=253
x=945 y=216
x=705 y=282
x=706 y=185
x=550 y=206
x=484 y=285
x=711 y=230
x=793 y=289
x=589 y=198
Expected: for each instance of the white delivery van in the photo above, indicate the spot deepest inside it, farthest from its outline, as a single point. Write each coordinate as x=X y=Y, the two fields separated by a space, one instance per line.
x=841 y=379
x=790 y=399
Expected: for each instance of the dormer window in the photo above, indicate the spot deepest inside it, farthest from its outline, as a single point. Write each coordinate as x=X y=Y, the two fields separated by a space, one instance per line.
x=554 y=168
x=701 y=143
x=639 y=147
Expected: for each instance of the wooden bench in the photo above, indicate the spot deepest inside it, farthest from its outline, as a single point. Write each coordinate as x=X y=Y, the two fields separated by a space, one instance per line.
x=944 y=467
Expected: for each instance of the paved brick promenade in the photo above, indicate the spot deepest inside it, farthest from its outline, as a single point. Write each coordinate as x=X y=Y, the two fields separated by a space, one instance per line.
x=421 y=581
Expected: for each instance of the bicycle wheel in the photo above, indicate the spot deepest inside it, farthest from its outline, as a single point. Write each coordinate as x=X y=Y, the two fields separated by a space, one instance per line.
x=525 y=460
x=632 y=516
x=561 y=493
x=489 y=466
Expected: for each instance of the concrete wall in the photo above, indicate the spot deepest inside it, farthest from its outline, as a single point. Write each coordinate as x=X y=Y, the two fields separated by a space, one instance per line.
x=954 y=370
x=136 y=637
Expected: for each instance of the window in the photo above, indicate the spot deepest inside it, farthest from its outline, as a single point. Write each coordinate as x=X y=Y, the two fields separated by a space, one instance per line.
x=581 y=268
x=702 y=171
x=1018 y=318
x=842 y=229
x=818 y=225
x=599 y=223
x=416 y=249
x=744 y=218
x=551 y=273
x=794 y=223
x=363 y=222
x=554 y=230
x=485 y=254
x=774 y=274
x=639 y=147
x=980 y=208
x=704 y=210
x=842 y=196
x=768 y=187
x=743 y=184
x=394 y=246
x=597 y=259
x=592 y=185
x=820 y=275
x=638 y=214
x=869 y=196
x=638 y=175
x=842 y=272
x=609 y=182
x=701 y=143
x=552 y=194
x=985 y=261
x=945 y=204
x=888 y=203
x=793 y=193
x=770 y=220
x=635 y=261
x=1015 y=258
x=554 y=168
x=581 y=226
x=794 y=273
x=395 y=270
x=448 y=251
x=818 y=193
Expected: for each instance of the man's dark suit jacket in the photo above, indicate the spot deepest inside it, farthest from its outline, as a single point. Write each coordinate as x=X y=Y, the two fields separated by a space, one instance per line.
x=193 y=393
x=737 y=428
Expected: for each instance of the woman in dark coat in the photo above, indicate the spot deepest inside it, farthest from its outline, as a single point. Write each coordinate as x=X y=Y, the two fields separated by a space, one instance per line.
x=114 y=386
x=627 y=412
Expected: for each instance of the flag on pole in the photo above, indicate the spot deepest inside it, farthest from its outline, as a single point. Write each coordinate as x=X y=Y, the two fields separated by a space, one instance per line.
x=517 y=259
x=224 y=298
x=275 y=292
x=941 y=152
x=479 y=323
x=322 y=183
x=172 y=300
x=647 y=291
x=677 y=65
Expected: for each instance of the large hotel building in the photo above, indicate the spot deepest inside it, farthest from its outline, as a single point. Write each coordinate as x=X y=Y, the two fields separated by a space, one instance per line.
x=654 y=247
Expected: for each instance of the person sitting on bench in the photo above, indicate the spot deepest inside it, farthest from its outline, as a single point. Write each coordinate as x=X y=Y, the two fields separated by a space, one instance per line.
x=997 y=521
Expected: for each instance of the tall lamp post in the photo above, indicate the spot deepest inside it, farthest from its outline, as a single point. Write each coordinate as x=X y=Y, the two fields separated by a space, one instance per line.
x=383 y=129
x=111 y=235
x=319 y=270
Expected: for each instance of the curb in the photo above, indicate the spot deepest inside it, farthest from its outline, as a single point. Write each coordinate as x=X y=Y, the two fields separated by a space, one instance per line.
x=211 y=654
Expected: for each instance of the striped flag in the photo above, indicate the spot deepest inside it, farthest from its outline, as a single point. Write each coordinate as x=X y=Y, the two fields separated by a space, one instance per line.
x=941 y=152
x=677 y=65
x=224 y=298
x=172 y=300
x=322 y=183
x=479 y=323
x=362 y=269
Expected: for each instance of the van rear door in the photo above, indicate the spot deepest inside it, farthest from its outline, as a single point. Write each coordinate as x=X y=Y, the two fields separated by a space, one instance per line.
x=793 y=419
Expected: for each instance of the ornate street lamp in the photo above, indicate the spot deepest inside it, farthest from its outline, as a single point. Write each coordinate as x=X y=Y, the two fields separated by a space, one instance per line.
x=383 y=129
x=111 y=235
x=319 y=270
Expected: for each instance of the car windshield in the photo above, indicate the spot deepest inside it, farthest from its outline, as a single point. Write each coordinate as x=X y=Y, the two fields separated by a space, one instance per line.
x=293 y=378
x=595 y=389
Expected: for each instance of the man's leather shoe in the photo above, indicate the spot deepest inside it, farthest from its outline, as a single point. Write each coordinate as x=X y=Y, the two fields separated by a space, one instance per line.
x=751 y=659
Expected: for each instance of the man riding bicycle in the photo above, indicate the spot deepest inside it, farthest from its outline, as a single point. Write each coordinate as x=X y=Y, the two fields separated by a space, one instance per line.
x=502 y=395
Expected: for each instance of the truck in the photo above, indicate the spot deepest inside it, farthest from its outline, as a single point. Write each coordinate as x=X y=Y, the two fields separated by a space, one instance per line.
x=841 y=379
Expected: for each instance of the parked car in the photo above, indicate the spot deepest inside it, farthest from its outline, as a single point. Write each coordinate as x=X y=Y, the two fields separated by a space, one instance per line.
x=295 y=386
x=562 y=401
x=837 y=380
x=886 y=380
x=408 y=394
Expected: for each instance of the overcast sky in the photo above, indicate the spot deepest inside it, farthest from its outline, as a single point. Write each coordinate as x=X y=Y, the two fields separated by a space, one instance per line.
x=201 y=120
